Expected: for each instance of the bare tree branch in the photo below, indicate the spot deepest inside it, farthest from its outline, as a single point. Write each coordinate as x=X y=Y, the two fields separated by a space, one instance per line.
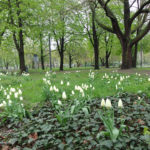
x=140 y=10
x=141 y=35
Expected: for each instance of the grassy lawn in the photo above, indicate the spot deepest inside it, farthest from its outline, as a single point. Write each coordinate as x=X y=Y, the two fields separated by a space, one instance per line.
x=32 y=86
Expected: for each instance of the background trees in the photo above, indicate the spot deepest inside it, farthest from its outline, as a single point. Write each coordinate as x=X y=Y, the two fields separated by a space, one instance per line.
x=75 y=29
x=125 y=34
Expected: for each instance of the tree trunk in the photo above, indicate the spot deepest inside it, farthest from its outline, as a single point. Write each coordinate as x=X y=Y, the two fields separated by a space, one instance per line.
x=70 y=61
x=96 y=54
x=126 y=57
x=61 y=61
x=22 y=61
x=107 y=57
x=21 y=51
x=134 y=57
x=102 y=61
x=61 y=53
x=95 y=42
x=42 y=55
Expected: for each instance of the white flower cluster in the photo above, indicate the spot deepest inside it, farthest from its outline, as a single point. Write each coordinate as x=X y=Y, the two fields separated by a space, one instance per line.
x=138 y=74
x=11 y=95
x=25 y=74
x=107 y=103
x=91 y=74
x=2 y=74
x=46 y=81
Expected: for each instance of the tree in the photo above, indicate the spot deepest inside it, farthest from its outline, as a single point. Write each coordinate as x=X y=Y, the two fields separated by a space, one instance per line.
x=108 y=38
x=125 y=35
x=141 y=20
x=88 y=20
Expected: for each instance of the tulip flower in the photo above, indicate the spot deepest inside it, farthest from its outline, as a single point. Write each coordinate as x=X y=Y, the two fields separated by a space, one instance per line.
x=64 y=96
x=120 y=104
x=103 y=103
x=108 y=103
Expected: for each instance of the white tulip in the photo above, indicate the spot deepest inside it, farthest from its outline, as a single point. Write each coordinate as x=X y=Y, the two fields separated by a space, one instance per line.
x=16 y=95
x=21 y=98
x=64 y=96
x=103 y=103
x=20 y=92
x=68 y=83
x=59 y=102
x=72 y=92
x=51 y=88
x=120 y=104
x=108 y=103
x=8 y=96
x=61 y=82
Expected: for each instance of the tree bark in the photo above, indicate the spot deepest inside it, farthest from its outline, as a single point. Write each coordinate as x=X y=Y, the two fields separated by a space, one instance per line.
x=22 y=61
x=95 y=41
x=70 y=61
x=107 y=59
x=134 y=57
x=42 y=53
x=102 y=61
x=126 y=57
x=61 y=61
x=19 y=43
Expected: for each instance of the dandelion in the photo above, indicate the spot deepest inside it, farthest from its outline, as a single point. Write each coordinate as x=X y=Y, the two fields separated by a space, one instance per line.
x=64 y=96
x=120 y=104
x=139 y=98
x=148 y=79
x=108 y=103
x=103 y=103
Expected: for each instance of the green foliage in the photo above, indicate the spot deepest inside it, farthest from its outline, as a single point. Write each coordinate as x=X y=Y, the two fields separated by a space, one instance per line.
x=45 y=131
x=108 y=119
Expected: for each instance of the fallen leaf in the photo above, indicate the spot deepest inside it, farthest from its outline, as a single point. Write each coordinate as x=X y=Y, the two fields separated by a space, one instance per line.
x=33 y=136
x=5 y=147
x=140 y=121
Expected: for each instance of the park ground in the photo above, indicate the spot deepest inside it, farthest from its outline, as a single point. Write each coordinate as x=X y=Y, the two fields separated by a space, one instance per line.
x=52 y=117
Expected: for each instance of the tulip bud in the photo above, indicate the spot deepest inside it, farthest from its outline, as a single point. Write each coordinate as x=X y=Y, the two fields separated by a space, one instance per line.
x=108 y=103
x=64 y=96
x=120 y=104
x=103 y=103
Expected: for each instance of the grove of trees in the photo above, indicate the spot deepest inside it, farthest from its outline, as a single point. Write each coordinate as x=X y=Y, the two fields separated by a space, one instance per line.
x=83 y=31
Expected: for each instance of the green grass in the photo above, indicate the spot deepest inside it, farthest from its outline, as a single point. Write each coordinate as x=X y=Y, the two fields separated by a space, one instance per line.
x=33 y=86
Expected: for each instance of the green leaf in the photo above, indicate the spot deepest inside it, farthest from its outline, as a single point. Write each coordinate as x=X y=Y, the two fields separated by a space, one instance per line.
x=115 y=133
x=85 y=110
x=72 y=109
